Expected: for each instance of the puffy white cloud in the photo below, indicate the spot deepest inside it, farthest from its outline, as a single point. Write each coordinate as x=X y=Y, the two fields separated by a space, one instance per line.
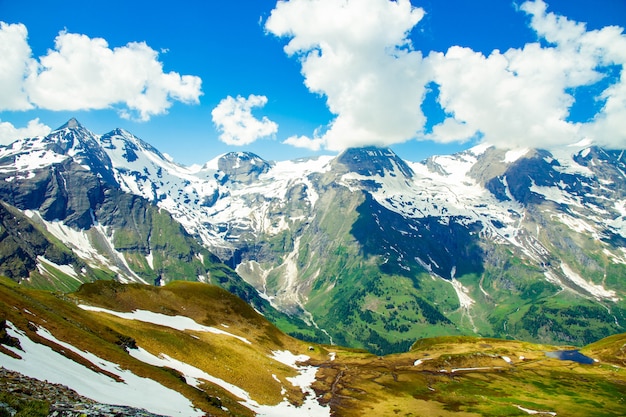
x=82 y=73
x=313 y=144
x=523 y=97
x=451 y=130
x=238 y=126
x=598 y=49
x=16 y=63
x=356 y=53
x=512 y=99
x=609 y=127
x=10 y=133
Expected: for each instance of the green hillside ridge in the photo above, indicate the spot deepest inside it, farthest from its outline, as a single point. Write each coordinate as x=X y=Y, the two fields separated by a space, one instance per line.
x=23 y=241
x=443 y=376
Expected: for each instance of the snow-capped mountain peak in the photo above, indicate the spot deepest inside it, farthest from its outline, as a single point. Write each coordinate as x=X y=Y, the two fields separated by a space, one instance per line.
x=130 y=145
x=243 y=167
x=373 y=161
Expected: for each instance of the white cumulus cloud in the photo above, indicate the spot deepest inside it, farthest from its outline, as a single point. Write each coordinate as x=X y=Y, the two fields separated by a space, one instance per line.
x=512 y=99
x=238 y=126
x=15 y=65
x=357 y=55
x=9 y=133
x=595 y=51
x=313 y=144
x=83 y=73
x=523 y=97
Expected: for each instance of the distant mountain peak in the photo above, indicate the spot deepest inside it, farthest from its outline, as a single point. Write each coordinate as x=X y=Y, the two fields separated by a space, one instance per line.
x=243 y=156
x=71 y=124
x=372 y=160
x=242 y=166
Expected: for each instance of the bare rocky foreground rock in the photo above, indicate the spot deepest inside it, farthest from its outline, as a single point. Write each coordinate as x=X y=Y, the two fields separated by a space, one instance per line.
x=63 y=401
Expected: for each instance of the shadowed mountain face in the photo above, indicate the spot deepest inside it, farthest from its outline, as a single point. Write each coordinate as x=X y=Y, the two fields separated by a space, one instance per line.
x=370 y=250
x=453 y=247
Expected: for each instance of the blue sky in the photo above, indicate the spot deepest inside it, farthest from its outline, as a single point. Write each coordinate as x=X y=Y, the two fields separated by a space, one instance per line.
x=299 y=78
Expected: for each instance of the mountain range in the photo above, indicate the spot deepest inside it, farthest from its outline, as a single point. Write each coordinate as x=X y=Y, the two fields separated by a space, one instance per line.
x=362 y=249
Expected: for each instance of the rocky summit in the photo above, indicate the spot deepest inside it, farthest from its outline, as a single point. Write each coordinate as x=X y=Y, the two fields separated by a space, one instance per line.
x=55 y=400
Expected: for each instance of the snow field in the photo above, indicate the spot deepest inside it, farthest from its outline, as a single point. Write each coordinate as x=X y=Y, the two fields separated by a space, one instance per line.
x=41 y=362
x=304 y=380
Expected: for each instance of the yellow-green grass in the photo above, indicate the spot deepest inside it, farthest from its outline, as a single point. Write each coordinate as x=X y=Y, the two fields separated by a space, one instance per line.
x=356 y=383
x=611 y=349
x=206 y=304
x=247 y=366
x=27 y=309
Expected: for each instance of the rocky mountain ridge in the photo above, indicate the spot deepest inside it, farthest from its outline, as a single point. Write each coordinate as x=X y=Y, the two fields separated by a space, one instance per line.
x=66 y=218
x=55 y=400
x=373 y=250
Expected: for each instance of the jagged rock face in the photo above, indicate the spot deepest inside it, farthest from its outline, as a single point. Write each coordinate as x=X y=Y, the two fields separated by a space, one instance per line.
x=522 y=175
x=595 y=186
x=609 y=168
x=84 y=148
x=452 y=248
x=492 y=164
x=52 y=191
x=21 y=244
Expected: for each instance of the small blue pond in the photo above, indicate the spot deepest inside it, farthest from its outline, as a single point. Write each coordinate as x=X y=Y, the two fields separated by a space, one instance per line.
x=570 y=355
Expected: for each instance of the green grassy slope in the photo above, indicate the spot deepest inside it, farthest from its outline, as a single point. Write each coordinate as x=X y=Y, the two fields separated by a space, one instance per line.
x=443 y=376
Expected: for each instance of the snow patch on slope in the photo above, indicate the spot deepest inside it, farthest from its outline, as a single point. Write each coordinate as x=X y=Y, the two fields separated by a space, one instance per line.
x=558 y=195
x=514 y=154
x=82 y=243
x=310 y=407
x=41 y=362
x=285 y=173
x=29 y=155
x=43 y=265
x=181 y=323
x=462 y=293
x=597 y=291
x=192 y=374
